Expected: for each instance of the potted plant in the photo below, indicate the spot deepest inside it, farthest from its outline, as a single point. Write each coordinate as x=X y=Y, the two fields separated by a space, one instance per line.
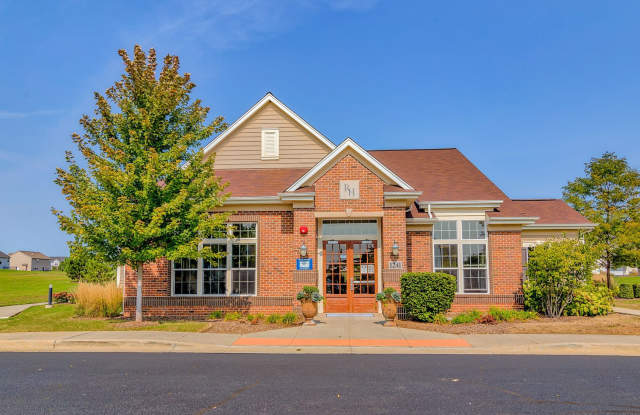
x=309 y=297
x=389 y=299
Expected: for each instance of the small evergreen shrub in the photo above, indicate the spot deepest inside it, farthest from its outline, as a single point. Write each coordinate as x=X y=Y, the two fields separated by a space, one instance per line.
x=532 y=297
x=626 y=291
x=636 y=290
x=273 y=318
x=467 y=317
x=427 y=294
x=591 y=300
x=289 y=318
x=216 y=315
x=232 y=316
x=501 y=314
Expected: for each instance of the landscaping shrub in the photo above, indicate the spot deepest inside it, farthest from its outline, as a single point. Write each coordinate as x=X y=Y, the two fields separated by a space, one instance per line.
x=216 y=315
x=591 y=300
x=501 y=314
x=273 y=318
x=98 y=300
x=232 y=316
x=636 y=290
x=82 y=265
x=259 y=316
x=289 y=318
x=63 y=297
x=467 y=317
x=440 y=319
x=625 y=291
x=427 y=294
x=250 y=317
x=532 y=297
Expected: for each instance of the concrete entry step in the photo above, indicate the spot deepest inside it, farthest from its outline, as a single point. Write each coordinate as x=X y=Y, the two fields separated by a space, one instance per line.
x=350 y=315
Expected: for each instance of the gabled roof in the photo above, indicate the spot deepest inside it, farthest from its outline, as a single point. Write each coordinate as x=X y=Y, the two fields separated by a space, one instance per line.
x=268 y=98
x=258 y=182
x=348 y=146
x=3 y=255
x=33 y=254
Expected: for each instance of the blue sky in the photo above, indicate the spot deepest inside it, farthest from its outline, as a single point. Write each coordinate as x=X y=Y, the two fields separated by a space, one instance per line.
x=528 y=91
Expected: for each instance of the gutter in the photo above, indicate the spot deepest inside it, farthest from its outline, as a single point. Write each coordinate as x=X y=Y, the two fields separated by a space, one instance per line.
x=490 y=204
x=555 y=226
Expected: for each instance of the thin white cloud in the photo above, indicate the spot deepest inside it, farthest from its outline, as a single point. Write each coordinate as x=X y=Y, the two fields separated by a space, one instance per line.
x=12 y=115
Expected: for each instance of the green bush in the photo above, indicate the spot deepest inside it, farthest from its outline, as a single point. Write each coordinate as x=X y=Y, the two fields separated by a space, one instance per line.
x=427 y=294
x=440 y=319
x=82 y=265
x=501 y=314
x=274 y=318
x=232 y=316
x=289 y=318
x=216 y=315
x=591 y=300
x=626 y=291
x=467 y=317
x=636 y=290
x=532 y=296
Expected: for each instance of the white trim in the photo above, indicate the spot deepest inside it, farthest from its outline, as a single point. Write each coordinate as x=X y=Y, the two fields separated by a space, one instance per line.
x=401 y=195
x=348 y=143
x=555 y=226
x=490 y=204
x=300 y=196
x=266 y=99
x=525 y=220
x=421 y=221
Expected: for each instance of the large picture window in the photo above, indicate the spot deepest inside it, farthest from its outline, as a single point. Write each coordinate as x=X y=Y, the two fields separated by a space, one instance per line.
x=460 y=249
x=234 y=273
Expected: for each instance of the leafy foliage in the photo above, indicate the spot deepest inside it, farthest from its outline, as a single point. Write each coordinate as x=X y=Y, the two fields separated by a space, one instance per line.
x=389 y=294
x=216 y=315
x=591 y=300
x=501 y=314
x=625 y=291
x=556 y=269
x=289 y=318
x=146 y=192
x=636 y=290
x=470 y=316
x=609 y=195
x=309 y=293
x=426 y=294
x=232 y=316
x=274 y=318
x=63 y=297
x=82 y=265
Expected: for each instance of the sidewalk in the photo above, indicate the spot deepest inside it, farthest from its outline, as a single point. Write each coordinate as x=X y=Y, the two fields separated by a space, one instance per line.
x=11 y=310
x=358 y=335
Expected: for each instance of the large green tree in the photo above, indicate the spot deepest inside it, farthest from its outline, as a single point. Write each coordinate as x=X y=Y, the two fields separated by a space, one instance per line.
x=609 y=195
x=144 y=191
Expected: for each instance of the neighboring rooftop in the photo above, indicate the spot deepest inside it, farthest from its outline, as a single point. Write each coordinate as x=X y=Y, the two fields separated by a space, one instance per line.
x=33 y=254
x=3 y=255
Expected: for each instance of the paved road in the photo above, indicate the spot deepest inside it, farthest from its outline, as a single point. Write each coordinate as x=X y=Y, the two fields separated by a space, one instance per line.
x=104 y=383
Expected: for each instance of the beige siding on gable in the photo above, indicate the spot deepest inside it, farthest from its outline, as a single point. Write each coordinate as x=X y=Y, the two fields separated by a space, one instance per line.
x=242 y=149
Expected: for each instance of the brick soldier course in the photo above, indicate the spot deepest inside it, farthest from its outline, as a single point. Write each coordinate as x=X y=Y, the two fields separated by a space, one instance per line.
x=350 y=222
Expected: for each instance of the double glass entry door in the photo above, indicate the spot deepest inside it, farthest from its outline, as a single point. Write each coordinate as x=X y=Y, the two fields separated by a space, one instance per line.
x=350 y=270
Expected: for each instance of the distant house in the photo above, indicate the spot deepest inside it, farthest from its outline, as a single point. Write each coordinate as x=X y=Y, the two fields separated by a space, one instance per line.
x=4 y=260
x=57 y=260
x=29 y=261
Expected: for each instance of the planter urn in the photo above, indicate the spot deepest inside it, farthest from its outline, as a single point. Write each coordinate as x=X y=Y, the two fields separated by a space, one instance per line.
x=389 y=311
x=309 y=311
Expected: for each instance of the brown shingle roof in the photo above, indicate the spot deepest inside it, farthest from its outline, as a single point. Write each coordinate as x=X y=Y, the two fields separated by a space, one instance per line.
x=259 y=182
x=550 y=211
x=441 y=174
x=3 y=255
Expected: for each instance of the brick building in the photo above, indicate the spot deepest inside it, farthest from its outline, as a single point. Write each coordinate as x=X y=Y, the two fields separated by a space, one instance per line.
x=308 y=212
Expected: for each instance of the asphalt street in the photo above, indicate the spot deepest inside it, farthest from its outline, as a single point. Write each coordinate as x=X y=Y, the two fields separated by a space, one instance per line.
x=137 y=383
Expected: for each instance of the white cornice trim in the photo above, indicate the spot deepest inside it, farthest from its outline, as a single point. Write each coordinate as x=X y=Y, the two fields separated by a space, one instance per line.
x=489 y=204
x=421 y=221
x=557 y=226
x=401 y=195
x=266 y=99
x=348 y=143
x=512 y=220
x=297 y=196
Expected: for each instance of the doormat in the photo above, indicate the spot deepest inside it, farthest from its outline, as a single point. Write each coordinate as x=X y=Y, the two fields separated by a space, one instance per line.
x=349 y=314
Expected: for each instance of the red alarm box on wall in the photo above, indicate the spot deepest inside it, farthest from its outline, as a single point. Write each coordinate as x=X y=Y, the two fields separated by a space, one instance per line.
x=304 y=230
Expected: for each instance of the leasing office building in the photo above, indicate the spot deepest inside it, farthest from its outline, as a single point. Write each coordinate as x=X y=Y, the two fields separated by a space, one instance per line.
x=351 y=221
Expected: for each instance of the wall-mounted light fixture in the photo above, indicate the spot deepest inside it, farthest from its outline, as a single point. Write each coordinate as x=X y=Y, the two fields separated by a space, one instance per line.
x=395 y=249
x=303 y=250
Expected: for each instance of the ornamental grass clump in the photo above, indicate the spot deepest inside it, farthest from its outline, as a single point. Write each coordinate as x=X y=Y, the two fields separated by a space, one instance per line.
x=98 y=300
x=289 y=318
x=470 y=316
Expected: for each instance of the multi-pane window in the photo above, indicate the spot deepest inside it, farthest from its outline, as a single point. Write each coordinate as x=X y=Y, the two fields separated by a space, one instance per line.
x=460 y=249
x=445 y=230
x=234 y=270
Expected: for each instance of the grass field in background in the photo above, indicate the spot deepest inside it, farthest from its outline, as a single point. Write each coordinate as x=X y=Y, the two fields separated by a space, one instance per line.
x=627 y=280
x=26 y=287
x=62 y=317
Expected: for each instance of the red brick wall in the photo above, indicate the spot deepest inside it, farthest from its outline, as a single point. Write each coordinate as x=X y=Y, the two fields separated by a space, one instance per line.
x=394 y=229
x=419 y=251
x=505 y=262
x=327 y=188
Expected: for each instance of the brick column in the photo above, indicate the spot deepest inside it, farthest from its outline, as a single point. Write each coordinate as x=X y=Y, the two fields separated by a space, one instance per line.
x=393 y=229
x=505 y=262
x=419 y=251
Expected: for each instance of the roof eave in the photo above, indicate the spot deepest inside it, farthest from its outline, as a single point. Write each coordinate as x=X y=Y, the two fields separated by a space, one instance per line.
x=454 y=204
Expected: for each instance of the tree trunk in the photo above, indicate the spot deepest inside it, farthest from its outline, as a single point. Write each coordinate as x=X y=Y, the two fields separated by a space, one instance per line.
x=139 y=293
x=609 y=282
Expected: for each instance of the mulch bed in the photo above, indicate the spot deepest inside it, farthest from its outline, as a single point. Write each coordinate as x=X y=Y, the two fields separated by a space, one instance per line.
x=610 y=324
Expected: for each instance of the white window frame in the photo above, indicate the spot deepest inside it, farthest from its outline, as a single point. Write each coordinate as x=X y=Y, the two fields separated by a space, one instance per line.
x=229 y=241
x=276 y=153
x=459 y=242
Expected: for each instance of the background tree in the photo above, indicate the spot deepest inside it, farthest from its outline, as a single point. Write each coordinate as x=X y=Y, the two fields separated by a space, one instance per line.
x=83 y=265
x=146 y=191
x=609 y=195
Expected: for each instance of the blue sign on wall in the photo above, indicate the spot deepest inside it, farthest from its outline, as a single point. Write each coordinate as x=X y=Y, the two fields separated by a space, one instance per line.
x=304 y=264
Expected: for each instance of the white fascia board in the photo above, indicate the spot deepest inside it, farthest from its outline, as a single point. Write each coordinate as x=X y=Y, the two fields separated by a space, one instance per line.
x=452 y=204
x=556 y=226
x=421 y=221
x=513 y=220
x=348 y=143
x=301 y=196
x=266 y=99
x=252 y=200
x=401 y=195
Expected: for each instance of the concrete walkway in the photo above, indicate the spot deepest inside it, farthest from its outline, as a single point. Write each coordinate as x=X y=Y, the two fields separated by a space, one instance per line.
x=630 y=311
x=12 y=310
x=357 y=335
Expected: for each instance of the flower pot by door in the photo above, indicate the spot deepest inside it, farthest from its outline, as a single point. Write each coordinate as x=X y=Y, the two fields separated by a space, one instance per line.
x=389 y=311
x=309 y=311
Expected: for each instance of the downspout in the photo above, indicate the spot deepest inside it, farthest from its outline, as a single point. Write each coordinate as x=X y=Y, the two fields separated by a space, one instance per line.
x=429 y=210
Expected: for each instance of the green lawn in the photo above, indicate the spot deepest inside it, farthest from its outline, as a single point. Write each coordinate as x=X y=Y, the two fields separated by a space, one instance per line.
x=26 y=287
x=62 y=318
x=627 y=280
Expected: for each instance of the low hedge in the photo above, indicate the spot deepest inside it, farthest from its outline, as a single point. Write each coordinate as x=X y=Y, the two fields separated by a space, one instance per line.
x=625 y=291
x=427 y=294
x=636 y=290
